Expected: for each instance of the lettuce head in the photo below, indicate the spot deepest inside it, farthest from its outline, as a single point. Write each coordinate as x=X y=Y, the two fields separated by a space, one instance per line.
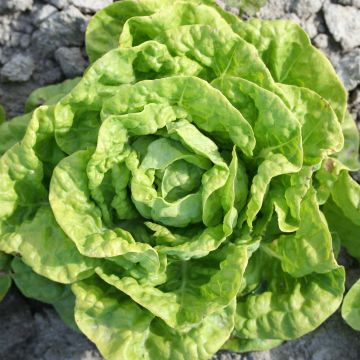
x=190 y=191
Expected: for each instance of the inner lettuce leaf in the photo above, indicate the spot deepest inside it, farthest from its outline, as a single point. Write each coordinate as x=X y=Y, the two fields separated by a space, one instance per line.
x=188 y=193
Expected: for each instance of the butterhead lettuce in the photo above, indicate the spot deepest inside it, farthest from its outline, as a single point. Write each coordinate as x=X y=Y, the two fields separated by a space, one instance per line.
x=190 y=191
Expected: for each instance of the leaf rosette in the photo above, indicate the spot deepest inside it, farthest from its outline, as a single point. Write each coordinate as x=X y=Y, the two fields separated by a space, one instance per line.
x=179 y=197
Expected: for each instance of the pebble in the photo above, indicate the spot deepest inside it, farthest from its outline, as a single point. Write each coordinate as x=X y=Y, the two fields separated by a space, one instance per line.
x=63 y=28
x=60 y=4
x=350 y=2
x=274 y=9
x=310 y=27
x=321 y=41
x=42 y=12
x=25 y=40
x=348 y=68
x=15 y=5
x=48 y=72
x=18 y=69
x=305 y=8
x=344 y=24
x=90 y=6
x=15 y=38
x=71 y=61
x=22 y=23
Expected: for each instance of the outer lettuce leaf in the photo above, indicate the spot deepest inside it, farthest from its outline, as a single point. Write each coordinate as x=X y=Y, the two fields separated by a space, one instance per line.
x=35 y=286
x=346 y=195
x=341 y=226
x=13 y=131
x=31 y=153
x=320 y=129
x=5 y=283
x=5 y=278
x=325 y=177
x=22 y=190
x=246 y=345
x=350 y=310
x=287 y=51
x=46 y=249
x=193 y=290
x=4 y=261
x=49 y=95
x=310 y=248
x=283 y=307
x=122 y=329
x=342 y=211
x=349 y=155
x=39 y=288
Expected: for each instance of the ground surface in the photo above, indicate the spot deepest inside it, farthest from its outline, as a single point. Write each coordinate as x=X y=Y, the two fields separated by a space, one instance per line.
x=41 y=42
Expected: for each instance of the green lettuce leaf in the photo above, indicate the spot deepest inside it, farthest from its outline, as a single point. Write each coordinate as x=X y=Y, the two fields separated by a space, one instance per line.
x=123 y=329
x=276 y=305
x=350 y=310
x=49 y=95
x=2 y=115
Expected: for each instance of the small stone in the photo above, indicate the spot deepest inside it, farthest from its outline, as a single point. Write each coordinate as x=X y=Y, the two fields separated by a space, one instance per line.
x=322 y=354
x=61 y=29
x=348 y=68
x=321 y=41
x=344 y=24
x=5 y=34
x=22 y=24
x=350 y=2
x=60 y=4
x=25 y=41
x=43 y=12
x=90 y=6
x=48 y=72
x=15 y=39
x=18 y=69
x=293 y=17
x=5 y=54
x=15 y=5
x=310 y=27
x=273 y=9
x=306 y=8
x=71 y=61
